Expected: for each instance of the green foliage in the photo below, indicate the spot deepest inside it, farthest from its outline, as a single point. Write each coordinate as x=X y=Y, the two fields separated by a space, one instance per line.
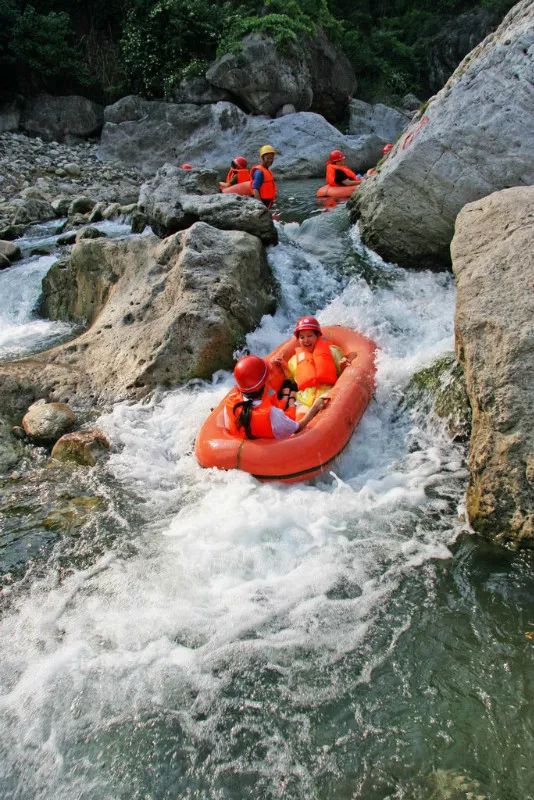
x=107 y=47
x=162 y=39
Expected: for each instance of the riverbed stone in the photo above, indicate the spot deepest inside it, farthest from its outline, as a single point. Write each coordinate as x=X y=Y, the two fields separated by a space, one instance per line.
x=85 y=448
x=89 y=233
x=31 y=209
x=493 y=261
x=9 y=250
x=169 y=206
x=45 y=423
x=81 y=205
x=475 y=137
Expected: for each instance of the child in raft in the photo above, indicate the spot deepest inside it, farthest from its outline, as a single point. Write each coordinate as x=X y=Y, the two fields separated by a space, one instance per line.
x=316 y=365
x=253 y=409
x=238 y=173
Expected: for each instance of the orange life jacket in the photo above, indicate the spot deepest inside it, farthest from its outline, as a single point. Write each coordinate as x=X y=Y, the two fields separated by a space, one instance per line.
x=260 y=418
x=242 y=175
x=331 y=169
x=317 y=368
x=268 y=188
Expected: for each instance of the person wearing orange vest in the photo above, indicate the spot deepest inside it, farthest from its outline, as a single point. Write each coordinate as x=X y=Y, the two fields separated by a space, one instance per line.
x=263 y=185
x=251 y=409
x=337 y=174
x=238 y=172
x=316 y=365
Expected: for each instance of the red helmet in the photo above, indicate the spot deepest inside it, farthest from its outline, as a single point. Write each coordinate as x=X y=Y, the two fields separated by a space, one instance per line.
x=250 y=373
x=307 y=324
x=240 y=162
x=387 y=149
x=186 y=166
x=337 y=155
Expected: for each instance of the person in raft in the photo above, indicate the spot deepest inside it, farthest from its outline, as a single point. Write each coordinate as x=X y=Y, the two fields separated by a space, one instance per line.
x=337 y=174
x=263 y=185
x=238 y=172
x=316 y=365
x=252 y=409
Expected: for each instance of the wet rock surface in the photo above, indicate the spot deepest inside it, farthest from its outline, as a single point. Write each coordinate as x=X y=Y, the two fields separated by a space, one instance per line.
x=475 y=137
x=45 y=423
x=162 y=312
x=169 y=205
x=85 y=448
x=493 y=262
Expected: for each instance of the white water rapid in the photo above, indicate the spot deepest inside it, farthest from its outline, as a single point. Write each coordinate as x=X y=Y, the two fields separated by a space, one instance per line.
x=230 y=653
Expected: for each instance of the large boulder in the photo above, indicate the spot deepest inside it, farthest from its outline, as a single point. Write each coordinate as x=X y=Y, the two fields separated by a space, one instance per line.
x=263 y=78
x=199 y=91
x=61 y=118
x=160 y=313
x=493 y=260
x=332 y=76
x=169 y=203
x=385 y=122
x=476 y=136
x=148 y=134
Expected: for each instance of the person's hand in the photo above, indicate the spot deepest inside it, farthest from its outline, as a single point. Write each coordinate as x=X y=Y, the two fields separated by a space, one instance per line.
x=321 y=402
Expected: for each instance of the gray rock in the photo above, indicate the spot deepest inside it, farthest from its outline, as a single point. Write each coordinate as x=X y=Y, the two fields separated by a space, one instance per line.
x=199 y=91
x=9 y=250
x=61 y=206
x=81 y=205
x=44 y=422
x=89 y=233
x=67 y=238
x=85 y=448
x=309 y=74
x=410 y=102
x=332 y=77
x=73 y=169
x=32 y=210
x=161 y=312
x=168 y=205
x=287 y=108
x=385 y=122
x=10 y=115
x=61 y=118
x=476 y=136
x=111 y=210
x=493 y=261
x=262 y=77
x=149 y=134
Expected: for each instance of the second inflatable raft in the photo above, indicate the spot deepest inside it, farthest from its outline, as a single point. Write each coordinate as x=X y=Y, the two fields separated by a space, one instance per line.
x=310 y=452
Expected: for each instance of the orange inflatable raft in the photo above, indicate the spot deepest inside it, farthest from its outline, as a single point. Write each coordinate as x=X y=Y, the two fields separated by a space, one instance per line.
x=244 y=188
x=335 y=191
x=310 y=452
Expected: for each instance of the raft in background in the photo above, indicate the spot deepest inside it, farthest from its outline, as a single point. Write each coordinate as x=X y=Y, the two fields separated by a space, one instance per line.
x=310 y=452
x=244 y=188
x=335 y=191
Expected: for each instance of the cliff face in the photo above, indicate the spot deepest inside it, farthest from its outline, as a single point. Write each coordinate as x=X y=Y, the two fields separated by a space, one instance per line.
x=493 y=261
x=475 y=137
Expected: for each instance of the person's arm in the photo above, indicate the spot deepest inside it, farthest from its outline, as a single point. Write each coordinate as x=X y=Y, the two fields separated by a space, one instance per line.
x=281 y=364
x=318 y=405
x=256 y=183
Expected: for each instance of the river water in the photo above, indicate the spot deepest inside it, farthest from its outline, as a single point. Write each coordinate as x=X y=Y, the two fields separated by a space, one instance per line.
x=170 y=632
